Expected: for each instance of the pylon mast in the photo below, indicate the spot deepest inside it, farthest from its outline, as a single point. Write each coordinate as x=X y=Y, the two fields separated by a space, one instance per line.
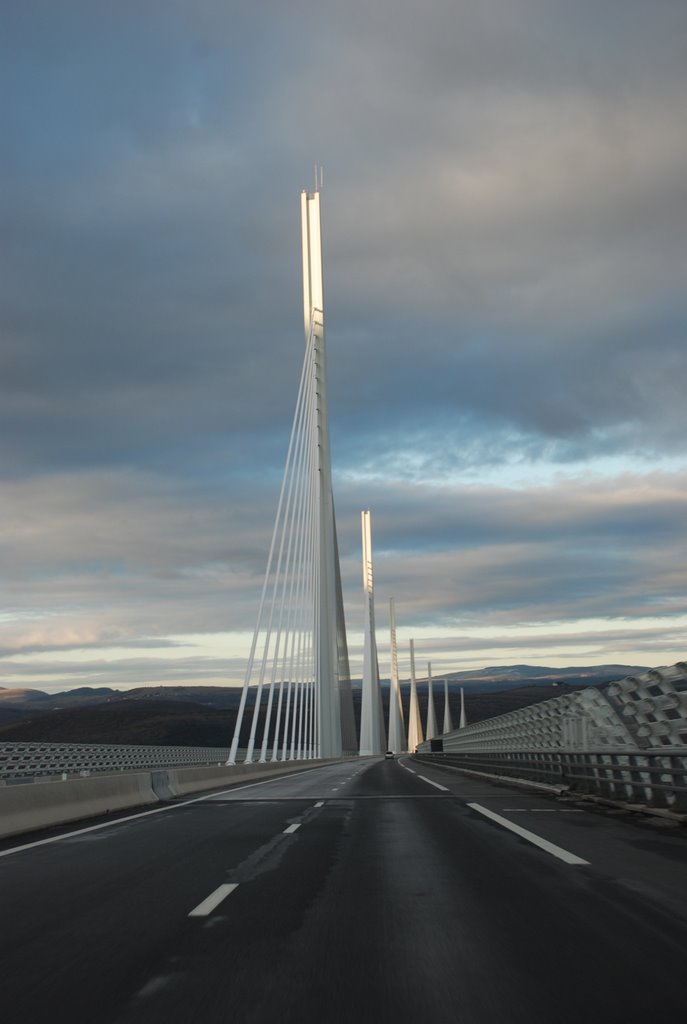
x=326 y=655
x=431 y=711
x=448 y=723
x=397 y=738
x=299 y=651
x=414 y=721
x=372 y=733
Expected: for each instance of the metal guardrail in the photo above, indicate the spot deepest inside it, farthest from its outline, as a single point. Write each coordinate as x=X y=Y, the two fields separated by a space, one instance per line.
x=642 y=712
x=625 y=740
x=28 y=760
x=657 y=778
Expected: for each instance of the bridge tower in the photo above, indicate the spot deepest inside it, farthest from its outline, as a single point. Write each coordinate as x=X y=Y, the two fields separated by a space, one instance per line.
x=448 y=722
x=299 y=649
x=414 y=721
x=397 y=737
x=432 y=730
x=372 y=733
x=325 y=625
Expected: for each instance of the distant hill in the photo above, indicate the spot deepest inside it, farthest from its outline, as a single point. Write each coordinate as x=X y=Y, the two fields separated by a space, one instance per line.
x=21 y=694
x=205 y=715
x=519 y=675
x=163 y=722
x=480 y=704
x=185 y=723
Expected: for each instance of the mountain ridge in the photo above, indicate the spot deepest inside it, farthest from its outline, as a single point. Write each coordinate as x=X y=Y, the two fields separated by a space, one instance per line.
x=205 y=715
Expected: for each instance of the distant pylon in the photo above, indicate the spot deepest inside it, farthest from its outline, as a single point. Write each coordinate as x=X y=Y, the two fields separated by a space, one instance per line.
x=463 y=719
x=431 y=712
x=414 y=721
x=397 y=739
x=448 y=723
x=372 y=733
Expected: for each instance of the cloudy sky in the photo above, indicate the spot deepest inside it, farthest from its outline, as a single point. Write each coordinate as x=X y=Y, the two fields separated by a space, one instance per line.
x=505 y=230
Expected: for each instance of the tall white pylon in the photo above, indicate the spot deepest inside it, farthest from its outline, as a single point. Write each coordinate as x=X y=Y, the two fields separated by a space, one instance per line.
x=414 y=721
x=448 y=723
x=372 y=734
x=397 y=739
x=431 y=712
x=299 y=646
x=326 y=663
x=463 y=719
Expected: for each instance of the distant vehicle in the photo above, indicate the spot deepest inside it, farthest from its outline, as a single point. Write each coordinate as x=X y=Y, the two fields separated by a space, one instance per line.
x=389 y=755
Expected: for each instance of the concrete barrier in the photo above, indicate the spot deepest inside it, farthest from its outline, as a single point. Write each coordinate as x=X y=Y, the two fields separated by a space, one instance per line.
x=181 y=781
x=46 y=802
x=35 y=805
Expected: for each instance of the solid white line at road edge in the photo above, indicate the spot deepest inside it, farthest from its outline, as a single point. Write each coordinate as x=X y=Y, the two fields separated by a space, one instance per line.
x=213 y=900
x=543 y=844
x=425 y=779
x=156 y=810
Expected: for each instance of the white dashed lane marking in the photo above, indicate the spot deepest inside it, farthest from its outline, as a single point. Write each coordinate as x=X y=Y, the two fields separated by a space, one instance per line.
x=436 y=784
x=542 y=810
x=213 y=900
x=157 y=810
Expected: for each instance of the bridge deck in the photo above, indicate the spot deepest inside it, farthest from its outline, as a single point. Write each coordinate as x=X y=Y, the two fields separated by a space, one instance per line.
x=358 y=891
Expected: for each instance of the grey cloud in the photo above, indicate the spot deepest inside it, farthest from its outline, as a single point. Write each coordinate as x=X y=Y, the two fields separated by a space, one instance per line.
x=449 y=653
x=488 y=246
x=83 y=645
x=116 y=558
x=125 y=673
x=504 y=219
x=464 y=556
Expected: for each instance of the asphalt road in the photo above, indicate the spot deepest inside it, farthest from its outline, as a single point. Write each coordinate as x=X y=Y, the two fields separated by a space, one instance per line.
x=368 y=891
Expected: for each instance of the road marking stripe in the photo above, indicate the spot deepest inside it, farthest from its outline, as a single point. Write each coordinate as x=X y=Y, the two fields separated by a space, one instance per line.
x=320 y=803
x=525 y=783
x=213 y=900
x=542 y=810
x=157 y=810
x=292 y=828
x=543 y=844
x=154 y=986
x=425 y=779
